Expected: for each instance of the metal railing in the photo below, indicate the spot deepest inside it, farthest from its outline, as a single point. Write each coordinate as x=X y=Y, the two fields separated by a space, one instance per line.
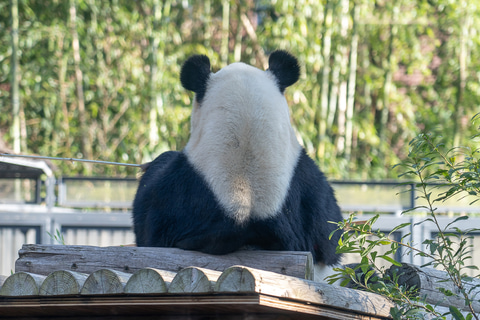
x=96 y=211
x=370 y=196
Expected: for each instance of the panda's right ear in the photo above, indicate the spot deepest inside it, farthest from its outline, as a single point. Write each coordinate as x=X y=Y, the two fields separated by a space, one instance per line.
x=285 y=68
x=194 y=75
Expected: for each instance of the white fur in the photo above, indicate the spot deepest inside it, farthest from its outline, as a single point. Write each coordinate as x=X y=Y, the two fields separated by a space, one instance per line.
x=242 y=142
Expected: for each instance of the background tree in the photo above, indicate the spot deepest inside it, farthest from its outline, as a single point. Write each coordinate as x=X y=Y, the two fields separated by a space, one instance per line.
x=100 y=79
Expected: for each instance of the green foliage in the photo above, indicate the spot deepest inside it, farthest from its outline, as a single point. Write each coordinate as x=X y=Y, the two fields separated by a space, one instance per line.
x=432 y=167
x=58 y=237
x=131 y=53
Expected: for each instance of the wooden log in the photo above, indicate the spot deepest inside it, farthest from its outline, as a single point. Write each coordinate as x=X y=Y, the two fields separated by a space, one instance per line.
x=149 y=280
x=22 y=284
x=248 y=280
x=63 y=282
x=194 y=280
x=2 y=280
x=428 y=281
x=105 y=281
x=44 y=259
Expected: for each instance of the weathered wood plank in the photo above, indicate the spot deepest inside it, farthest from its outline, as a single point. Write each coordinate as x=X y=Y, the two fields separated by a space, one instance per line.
x=149 y=280
x=22 y=284
x=198 y=306
x=105 y=281
x=429 y=280
x=242 y=279
x=44 y=259
x=63 y=282
x=194 y=280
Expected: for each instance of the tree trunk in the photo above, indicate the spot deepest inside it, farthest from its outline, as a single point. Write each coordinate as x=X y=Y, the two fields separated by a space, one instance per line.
x=208 y=23
x=367 y=90
x=259 y=53
x=351 y=83
x=15 y=79
x=84 y=129
x=342 y=94
x=225 y=30
x=62 y=61
x=387 y=85
x=459 y=127
x=237 y=53
x=154 y=95
x=322 y=113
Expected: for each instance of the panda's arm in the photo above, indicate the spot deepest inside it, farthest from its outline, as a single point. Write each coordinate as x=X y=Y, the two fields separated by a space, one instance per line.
x=144 y=196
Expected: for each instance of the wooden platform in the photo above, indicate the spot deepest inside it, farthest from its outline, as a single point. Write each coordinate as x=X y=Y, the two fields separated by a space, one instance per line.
x=236 y=292
x=219 y=306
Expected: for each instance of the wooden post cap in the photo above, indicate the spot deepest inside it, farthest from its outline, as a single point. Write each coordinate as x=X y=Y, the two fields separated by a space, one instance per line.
x=194 y=280
x=22 y=284
x=149 y=280
x=63 y=282
x=105 y=281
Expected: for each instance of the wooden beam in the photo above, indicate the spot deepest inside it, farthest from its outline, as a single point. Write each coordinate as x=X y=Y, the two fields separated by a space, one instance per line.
x=249 y=280
x=44 y=259
x=219 y=306
x=429 y=280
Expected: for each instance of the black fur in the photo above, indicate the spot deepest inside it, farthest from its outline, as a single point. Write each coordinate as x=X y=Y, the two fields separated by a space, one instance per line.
x=174 y=207
x=194 y=75
x=285 y=68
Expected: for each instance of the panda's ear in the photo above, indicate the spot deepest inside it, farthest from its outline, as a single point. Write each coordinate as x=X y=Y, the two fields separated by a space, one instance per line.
x=194 y=75
x=285 y=68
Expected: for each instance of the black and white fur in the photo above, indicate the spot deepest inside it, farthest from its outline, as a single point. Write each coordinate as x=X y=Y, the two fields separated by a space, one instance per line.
x=243 y=179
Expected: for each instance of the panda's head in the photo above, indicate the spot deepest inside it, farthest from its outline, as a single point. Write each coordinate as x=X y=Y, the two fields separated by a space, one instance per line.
x=241 y=138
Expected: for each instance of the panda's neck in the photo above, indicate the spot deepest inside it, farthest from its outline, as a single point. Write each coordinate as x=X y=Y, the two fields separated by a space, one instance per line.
x=248 y=168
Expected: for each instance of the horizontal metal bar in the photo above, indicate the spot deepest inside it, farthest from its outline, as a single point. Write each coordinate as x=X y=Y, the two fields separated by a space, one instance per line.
x=71 y=159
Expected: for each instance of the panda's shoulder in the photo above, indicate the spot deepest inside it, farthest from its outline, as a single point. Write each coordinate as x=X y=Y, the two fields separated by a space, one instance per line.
x=166 y=158
x=309 y=180
x=307 y=168
x=160 y=162
x=172 y=172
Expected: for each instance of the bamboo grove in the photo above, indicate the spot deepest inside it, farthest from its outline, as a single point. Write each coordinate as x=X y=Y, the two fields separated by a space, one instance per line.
x=99 y=79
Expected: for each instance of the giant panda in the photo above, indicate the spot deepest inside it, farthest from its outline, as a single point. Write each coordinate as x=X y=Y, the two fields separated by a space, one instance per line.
x=242 y=180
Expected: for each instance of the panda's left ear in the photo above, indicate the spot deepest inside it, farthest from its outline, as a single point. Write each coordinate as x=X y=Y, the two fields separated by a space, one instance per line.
x=194 y=75
x=285 y=68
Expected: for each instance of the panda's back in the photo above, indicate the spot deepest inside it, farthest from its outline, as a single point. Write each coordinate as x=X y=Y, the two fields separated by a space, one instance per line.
x=174 y=207
x=245 y=148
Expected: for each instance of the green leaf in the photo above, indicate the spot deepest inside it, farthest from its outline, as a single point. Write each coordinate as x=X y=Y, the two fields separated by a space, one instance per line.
x=446 y=292
x=392 y=261
x=456 y=314
x=403 y=225
x=429 y=308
